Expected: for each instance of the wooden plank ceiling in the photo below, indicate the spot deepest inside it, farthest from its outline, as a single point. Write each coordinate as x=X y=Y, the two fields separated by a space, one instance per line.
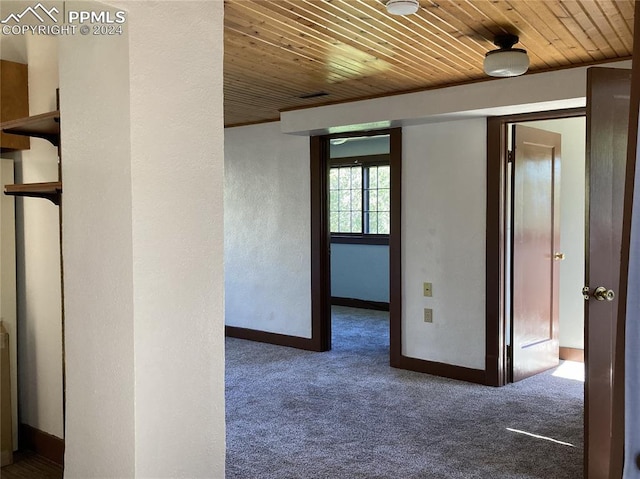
x=279 y=51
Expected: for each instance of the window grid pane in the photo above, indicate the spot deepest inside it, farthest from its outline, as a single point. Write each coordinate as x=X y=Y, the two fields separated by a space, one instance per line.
x=345 y=199
x=377 y=211
x=351 y=188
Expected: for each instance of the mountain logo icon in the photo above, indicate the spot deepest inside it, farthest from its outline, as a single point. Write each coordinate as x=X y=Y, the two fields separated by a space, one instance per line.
x=39 y=11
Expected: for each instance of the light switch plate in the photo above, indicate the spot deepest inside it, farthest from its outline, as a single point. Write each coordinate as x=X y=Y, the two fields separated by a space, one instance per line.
x=426 y=289
x=428 y=315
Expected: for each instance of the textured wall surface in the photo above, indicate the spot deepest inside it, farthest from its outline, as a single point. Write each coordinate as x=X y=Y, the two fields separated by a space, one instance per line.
x=267 y=232
x=443 y=235
x=98 y=255
x=176 y=51
x=143 y=224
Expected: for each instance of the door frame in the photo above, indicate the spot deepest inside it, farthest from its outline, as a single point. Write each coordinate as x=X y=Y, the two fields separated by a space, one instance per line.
x=496 y=367
x=321 y=242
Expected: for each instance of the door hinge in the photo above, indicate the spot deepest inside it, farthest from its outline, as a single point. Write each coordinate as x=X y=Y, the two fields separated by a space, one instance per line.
x=510 y=156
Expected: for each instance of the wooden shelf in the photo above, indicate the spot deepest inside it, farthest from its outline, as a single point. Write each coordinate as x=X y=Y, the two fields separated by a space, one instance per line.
x=46 y=125
x=50 y=190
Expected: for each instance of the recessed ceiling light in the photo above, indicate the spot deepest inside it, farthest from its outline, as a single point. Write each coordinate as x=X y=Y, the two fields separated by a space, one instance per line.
x=402 y=7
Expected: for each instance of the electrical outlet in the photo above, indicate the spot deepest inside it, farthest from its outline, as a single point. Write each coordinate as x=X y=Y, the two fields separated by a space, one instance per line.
x=428 y=315
x=426 y=289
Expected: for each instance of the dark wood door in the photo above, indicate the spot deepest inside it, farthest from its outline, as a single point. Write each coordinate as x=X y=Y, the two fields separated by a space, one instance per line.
x=536 y=239
x=607 y=122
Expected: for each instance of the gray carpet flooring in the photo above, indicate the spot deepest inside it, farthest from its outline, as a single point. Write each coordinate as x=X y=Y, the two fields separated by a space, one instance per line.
x=294 y=414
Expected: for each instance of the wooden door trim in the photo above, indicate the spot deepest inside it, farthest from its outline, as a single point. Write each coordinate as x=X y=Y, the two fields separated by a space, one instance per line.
x=495 y=352
x=395 y=249
x=320 y=242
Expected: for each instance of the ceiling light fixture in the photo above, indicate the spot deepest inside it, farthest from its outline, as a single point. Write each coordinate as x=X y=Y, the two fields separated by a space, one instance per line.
x=506 y=61
x=402 y=7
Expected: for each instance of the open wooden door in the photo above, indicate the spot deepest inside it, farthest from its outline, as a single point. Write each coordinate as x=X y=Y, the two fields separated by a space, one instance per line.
x=607 y=122
x=536 y=239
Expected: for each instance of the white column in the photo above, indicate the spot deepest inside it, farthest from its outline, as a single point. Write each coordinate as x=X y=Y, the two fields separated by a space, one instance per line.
x=177 y=182
x=143 y=245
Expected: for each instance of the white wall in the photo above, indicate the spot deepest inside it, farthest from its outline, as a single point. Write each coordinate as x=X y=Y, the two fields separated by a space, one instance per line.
x=143 y=243
x=97 y=244
x=360 y=271
x=572 y=226
x=443 y=241
x=177 y=169
x=267 y=232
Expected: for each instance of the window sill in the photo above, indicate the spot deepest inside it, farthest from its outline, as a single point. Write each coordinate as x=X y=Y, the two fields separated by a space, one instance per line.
x=343 y=238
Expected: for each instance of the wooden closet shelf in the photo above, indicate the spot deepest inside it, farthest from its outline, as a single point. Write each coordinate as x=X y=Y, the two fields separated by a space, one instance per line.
x=50 y=190
x=46 y=125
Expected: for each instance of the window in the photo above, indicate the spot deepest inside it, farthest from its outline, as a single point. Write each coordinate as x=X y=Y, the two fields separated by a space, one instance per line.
x=359 y=199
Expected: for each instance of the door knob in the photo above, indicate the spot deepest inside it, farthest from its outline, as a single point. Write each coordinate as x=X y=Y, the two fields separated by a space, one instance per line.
x=603 y=294
x=558 y=256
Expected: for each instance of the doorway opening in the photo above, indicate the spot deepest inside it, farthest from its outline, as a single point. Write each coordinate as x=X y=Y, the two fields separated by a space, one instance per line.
x=355 y=187
x=359 y=225
x=529 y=330
x=565 y=257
